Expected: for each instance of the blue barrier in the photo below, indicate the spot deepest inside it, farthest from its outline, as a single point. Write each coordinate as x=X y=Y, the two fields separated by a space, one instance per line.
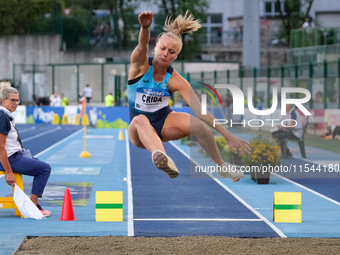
x=102 y=117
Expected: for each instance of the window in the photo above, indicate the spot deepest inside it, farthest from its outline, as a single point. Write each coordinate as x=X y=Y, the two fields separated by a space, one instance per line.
x=277 y=7
x=268 y=7
x=213 y=29
x=272 y=8
x=216 y=18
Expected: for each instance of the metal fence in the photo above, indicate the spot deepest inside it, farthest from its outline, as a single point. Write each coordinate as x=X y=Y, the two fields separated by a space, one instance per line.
x=321 y=79
x=71 y=79
x=313 y=54
x=314 y=37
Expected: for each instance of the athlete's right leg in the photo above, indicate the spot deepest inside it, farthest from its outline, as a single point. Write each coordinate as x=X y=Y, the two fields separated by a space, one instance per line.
x=143 y=135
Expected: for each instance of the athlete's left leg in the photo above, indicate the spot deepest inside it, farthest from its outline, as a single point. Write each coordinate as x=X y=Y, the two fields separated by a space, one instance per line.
x=178 y=125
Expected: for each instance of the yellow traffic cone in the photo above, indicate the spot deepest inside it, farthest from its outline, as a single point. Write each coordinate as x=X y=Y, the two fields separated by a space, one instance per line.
x=120 y=137
x=85 y=120
x=65 y=120
x=56 y=119
x=77 y=120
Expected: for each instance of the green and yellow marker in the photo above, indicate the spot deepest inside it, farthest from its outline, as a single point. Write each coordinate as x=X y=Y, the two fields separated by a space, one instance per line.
x=287 y=207
x=109 y=205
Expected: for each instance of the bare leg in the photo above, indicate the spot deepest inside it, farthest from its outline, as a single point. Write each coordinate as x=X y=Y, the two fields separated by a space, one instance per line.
x=178 y=125
x=34 y=198
x=143 y=135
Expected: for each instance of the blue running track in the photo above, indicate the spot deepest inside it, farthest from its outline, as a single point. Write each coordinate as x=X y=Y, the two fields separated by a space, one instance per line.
x=156 y=205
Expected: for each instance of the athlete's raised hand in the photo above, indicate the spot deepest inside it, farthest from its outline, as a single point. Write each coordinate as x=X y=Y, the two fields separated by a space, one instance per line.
x=145 y=19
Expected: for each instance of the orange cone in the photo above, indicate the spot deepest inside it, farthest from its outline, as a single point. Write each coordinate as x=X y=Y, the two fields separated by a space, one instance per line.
x=67 y=213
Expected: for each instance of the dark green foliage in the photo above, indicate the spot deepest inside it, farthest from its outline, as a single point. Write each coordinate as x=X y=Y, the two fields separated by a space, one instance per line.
x=72 y=31
x=28 y=16
x=293 y=16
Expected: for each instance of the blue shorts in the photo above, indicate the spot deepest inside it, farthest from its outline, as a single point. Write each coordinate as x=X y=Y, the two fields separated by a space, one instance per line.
x=156 y=119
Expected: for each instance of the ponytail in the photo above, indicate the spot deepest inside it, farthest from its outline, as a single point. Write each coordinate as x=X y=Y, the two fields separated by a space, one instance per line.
x=181 y=25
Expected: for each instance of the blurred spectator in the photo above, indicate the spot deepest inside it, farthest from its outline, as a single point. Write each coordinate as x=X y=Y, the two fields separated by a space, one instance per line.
x=55 y=100
x=330 y=133
x=308 y=23
x=109 y=100
x=104 y=28
x=219 y=34
x=38 y=100
x=241 y=32
x=292 y=130
x=88 y=93
x=81 y=98
x=64 y=100
x=104 y=36
x=327 y=133
x=318 y=97
x=97 y=33
x=236 y=34
x=123 y=99
x=336 y=133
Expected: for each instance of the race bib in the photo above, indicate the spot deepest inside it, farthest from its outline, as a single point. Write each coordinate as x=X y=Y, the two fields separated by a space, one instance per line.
x=151 y=100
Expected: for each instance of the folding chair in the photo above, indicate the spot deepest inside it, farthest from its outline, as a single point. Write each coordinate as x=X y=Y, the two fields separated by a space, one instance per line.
x=8 y=202
x=301 y=141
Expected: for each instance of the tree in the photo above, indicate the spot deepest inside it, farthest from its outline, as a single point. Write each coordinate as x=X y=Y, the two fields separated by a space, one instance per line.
x=19 y=16
x=121 y=13
x=175 y=7
x=295 y=13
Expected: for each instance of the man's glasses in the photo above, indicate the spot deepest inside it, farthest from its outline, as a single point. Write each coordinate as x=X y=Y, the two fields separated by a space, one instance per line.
x=14 y=100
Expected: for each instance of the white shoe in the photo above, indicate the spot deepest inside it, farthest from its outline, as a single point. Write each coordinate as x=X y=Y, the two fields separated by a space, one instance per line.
x=164 y=163
x=231 y=171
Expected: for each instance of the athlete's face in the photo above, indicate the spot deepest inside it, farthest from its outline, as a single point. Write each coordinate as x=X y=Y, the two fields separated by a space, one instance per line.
x=166 y=51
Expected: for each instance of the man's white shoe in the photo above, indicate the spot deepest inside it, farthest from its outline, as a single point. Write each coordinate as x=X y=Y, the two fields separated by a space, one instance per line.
x=164 y=163
x=233 y=172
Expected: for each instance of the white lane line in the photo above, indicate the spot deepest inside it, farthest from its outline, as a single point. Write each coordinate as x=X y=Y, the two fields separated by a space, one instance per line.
x=60 y=142
x=27 y=129
x=308 y=189
x=194 y=219
x=99 y=137
x=278 y=231
x=41 y=134
x=131 y=231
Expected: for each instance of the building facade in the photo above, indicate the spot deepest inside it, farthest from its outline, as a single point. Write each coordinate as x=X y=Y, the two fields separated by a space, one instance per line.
x=224 y=24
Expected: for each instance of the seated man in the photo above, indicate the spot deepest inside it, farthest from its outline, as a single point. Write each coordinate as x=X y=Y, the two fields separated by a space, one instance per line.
x=292 y=129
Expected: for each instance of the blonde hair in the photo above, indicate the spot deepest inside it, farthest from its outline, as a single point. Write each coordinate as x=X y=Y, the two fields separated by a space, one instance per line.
x=5 y=90
x=181 y=25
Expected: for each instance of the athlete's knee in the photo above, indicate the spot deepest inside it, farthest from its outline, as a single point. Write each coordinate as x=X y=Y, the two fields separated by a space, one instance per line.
x=140 y=121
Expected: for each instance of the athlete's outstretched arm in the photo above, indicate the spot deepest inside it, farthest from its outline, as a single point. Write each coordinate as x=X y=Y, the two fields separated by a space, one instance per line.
x=178 y=83
x=139 y=55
